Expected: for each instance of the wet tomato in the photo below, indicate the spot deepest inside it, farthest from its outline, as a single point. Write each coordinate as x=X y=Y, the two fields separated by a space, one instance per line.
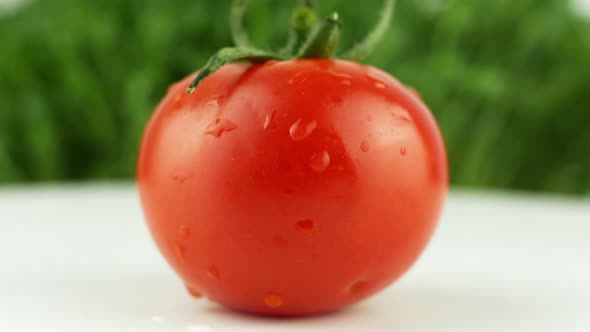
x=292 y=187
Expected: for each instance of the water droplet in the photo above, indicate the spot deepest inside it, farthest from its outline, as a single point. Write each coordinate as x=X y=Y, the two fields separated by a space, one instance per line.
x=343 y=79
x=220 y=126
x=280 y=241
x=358 y=287
x=400 y=113
x=306 y=226
x=179 y=250
x=365 y=146
x=213 y=272
x=215 y=102
x=194 y=292
x=184 y=232
x=300 y=130
x=319 y=162
x=403 y=151
x=273 y=300
x=299 y=78
x=376 y=82
x=180 y=178
x=336 y=99
x=268 y=122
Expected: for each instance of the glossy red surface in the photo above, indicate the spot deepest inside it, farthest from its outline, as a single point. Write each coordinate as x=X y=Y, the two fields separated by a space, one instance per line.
x=292 y=187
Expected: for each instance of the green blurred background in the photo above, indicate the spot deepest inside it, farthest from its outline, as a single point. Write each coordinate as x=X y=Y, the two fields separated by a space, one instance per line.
x=508 y=80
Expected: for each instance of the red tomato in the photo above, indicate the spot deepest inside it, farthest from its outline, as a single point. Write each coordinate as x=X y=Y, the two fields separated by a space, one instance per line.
x=292 y=187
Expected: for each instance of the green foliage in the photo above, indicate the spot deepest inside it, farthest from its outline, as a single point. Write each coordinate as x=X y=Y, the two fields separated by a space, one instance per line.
x=507 y=80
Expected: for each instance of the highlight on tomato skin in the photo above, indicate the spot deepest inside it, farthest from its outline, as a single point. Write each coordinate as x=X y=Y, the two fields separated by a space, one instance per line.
x=291 y=186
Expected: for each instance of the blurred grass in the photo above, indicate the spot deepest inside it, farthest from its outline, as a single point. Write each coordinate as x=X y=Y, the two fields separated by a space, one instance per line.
x=507 y=80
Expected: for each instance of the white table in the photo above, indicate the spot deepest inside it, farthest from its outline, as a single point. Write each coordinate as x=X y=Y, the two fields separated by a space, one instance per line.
x=79 y=258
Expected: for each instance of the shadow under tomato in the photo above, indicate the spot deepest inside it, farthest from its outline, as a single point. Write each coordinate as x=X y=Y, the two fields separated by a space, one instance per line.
x=406 y=309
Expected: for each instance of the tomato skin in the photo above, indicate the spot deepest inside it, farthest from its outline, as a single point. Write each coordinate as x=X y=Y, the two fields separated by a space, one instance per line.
x=294 y=187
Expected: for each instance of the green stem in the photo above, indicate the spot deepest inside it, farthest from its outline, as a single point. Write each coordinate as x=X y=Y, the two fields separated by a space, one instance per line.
x=227 y=55
x=324 y=40
x=363 y=49
x=303 y=21
x=236 y=22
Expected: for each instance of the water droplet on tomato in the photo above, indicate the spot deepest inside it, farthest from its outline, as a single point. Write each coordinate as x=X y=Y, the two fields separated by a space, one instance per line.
x=376 y=82
x=336 y=99
x=180 y=178
x=273 y=300
x=213 y=272
x=179 y=250
x=280 y=241
x=194 y=292
x=306 y=226
x=365 y=146
x=401 y=114
x=320 y=161
x=299 y=78
x=358 y=287
x=220 y=126
x=403 y=151
x=184 y=232
x=215 y=102
x=301 y=130
x=344 y=79
x=268 y=122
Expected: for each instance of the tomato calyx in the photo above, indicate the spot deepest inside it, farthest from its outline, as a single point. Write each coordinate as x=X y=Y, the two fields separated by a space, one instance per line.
x=309 y=38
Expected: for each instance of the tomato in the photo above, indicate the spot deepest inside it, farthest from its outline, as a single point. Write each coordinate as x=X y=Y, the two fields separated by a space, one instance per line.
x=292 y=187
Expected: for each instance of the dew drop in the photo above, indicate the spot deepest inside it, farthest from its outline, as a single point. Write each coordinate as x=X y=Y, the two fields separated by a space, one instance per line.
x=336 y=99
x=365 y=146
x=213 y=272
x=273 y=300
x=215 y=102
x=299 y=78
x=346 y=82
x=280 y=241
x=358 y=287
x=220 y=126
x=376 y=82
x=194 y=292
x=319 y=162
x=403 y=151
x=300 y=130
x=184 y=232
x=306 y=226
x=268 y=122
x=179 y=250
x=400 y=113
x=180 y=178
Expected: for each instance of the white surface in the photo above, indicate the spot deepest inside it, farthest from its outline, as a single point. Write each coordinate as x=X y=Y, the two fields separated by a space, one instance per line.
x=80 y=259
